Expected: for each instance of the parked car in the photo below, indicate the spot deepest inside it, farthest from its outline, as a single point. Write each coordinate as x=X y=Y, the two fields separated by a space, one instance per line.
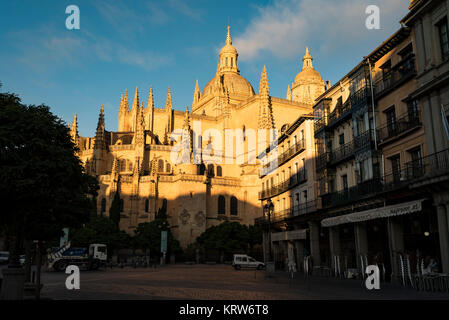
x=4 y=257
x=244 y=261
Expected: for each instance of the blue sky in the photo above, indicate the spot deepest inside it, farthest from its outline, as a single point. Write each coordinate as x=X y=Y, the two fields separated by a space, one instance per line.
x=124 y=44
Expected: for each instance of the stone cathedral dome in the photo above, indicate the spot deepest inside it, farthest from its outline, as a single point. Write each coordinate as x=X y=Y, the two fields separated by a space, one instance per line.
x=228 y=74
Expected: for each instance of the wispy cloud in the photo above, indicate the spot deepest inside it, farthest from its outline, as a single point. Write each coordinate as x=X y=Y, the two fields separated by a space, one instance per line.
x=46 y=50
x=126 y=19
x=285 y=26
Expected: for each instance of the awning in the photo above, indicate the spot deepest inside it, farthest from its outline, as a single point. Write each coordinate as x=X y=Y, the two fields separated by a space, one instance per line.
x=383 y=212
x=300 y=234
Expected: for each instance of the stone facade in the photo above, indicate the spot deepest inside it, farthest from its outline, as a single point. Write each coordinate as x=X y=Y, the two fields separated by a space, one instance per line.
x=137 y=160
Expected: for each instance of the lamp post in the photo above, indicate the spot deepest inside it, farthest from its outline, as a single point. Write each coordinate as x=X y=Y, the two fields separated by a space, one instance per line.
x=164 y=239
x=269 y=208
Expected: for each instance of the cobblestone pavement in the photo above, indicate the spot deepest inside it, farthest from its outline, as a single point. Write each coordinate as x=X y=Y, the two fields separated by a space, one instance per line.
x=218 y=282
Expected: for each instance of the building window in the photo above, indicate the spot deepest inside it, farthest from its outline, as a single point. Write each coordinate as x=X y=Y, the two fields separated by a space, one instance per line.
x=210 y=169
x=201 y=169
x=413 y=110
x=234 y=206
x=103 y=206
x=395 y=162
x=130 y=166
x=390 y=114
x=221 y=205
x=219 y=171
x=160 y=165
x=443 y=33
x=122 y=205
x=168 y=167
x=341 y=139
x=344 y=182
x=147 y=205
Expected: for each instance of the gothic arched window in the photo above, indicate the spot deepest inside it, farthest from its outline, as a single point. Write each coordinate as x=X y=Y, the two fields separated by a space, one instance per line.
x=221 y=205
x=160 y=165
x=122 y=205
x=234 y=206
x=219 y=171
x=210 y=169
x=168 y=167
x=201 y=169
x=147 y=205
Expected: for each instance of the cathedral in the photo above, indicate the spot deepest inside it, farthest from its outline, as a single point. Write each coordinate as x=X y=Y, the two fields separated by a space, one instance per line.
x=137 y=160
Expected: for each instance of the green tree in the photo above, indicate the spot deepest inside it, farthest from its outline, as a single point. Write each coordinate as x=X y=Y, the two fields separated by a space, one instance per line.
x=226 y=237
x=148 y=234
x=114 y=211
x=43 y=186
x=100 y=230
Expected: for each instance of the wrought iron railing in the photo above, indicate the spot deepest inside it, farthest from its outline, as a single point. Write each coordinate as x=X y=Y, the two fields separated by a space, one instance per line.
x=398 y=74
x=294 y=211
x=431 y=166
x=294 y=180
x=343 y=152
x=340 y=112
x=404 y=123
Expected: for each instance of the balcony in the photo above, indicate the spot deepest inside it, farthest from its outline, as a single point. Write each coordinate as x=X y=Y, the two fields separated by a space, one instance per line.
x=342 y=153
x=322 y=161
x=364 y=141
x=291 y=152
x=359 y=99
x=297 y=210
x=399 y=74
x=340 y=113
x=419 y=170
x=295 y=149
x=320 y=123
x=296 y=179
x=358 y=192
x=397 y=128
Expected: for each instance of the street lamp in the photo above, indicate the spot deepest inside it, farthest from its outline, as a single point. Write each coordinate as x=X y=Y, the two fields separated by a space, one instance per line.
x=269 y=208
x=164 y=238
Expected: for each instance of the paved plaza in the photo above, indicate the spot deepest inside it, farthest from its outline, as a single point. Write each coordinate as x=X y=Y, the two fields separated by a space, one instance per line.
x=217 y=282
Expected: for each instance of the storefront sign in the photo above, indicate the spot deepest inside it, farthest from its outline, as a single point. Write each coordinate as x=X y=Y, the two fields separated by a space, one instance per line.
x=384 y=212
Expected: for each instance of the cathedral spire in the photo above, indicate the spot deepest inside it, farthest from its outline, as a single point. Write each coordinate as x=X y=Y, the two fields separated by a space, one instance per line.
x=136 y=100
x=196 y=94
x=228 y=56
x=289 y=93
x=150 y=102
x=307 y=60
x=100 y=142
x=168 y=103
x=228 y=37
x=266 y=120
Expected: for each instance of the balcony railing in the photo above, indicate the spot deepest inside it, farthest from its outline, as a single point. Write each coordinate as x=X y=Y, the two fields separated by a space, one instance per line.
x=343 y=152
x=431 y=166
x=293 y=181
x=283 y=157
x=320 y=123
x=294 y=211
x=340 y=112
x=398 y=74
x=395 y=128
x=359 y=98
x=351 y=194
x=322 y=160
x=364 y=140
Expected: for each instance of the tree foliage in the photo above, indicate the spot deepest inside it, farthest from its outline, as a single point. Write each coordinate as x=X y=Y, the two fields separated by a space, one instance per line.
x=229 y=237
x=43 y=187
x=148 y=234
x=100 y=230
x=114 y=210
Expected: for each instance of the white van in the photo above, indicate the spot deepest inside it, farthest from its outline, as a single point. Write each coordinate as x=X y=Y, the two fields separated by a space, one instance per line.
x=243 y=261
